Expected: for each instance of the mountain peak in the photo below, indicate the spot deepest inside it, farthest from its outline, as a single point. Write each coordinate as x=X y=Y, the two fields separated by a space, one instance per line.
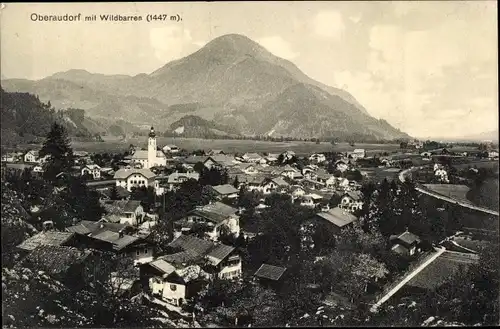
x=233 y=44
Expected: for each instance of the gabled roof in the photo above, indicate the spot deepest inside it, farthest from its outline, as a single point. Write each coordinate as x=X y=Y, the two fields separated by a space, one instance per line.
x=114 y=238
x=270 y=272
x=174 y=177
x=280 y=181
x=192 y=245
x=140 y=154
x=355 y=195
x=86 y=227
x=225 y=189
x=216 y=212
x=407 y=237
x=117 y=207
x=219 y=252
x=49 y=238
x=252 y=155
x=337 y=217
x=163 y=266
x=256 y=180
x=54 y=259
x=125 y=173
x=223 y=159
x=194 y=159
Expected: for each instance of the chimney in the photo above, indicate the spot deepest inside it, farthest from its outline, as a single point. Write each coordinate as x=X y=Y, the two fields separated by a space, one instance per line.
x=102 y=225
x=120 y=233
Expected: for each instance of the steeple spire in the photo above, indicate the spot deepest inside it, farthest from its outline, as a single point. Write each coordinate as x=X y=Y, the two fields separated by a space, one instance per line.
x=152 y=132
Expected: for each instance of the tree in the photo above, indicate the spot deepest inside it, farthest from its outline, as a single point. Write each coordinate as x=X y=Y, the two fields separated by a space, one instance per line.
x=114 y=193
x=57 y=147
x=146 y=195
x=236 y=182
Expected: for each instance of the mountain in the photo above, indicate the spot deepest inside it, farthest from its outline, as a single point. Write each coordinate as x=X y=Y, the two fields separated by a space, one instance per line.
x=194 y=126
x=232 y=80
x=25 y=118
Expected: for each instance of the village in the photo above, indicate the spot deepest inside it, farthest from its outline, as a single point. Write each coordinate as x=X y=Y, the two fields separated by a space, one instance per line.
x=172 y=257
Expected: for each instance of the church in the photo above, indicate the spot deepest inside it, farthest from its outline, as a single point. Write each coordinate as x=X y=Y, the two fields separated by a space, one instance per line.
x=152 y=157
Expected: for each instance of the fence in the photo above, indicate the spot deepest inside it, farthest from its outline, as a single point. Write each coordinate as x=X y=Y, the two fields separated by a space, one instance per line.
x=398 y=278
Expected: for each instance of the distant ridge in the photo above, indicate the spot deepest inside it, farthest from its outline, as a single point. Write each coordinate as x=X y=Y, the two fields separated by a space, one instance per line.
x=232 y=80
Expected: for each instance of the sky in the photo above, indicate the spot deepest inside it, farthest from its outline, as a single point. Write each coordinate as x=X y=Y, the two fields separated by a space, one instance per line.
x=429 y=68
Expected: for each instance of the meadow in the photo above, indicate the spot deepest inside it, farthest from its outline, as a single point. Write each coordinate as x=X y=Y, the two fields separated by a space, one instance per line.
x=232 y=146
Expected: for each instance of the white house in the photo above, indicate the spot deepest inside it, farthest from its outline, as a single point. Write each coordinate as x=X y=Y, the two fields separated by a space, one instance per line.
x=493 y=154
x=358 y=154
x=248 y=168
x=311 y=200
x=225 y=191
x=31 y=156
x=341 y=165
x=152 y=157
x=170 y=148
x=92 y=170
x=351 y=201
x=214 y=217
x=128 y=212
x=170 y=277
x=317 y=157
x=176 y=179
x=9 y=157
x=130 y=178
x=290 y=172
x=252 y=157
x=38 y=169
x=442 y=175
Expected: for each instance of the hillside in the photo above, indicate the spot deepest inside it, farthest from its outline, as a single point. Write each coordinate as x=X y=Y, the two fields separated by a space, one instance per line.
x=194 y=126
x=231 y=80
x=25 y=118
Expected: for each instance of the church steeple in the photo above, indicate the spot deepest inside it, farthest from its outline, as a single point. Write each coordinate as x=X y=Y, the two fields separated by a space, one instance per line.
x=152 y=132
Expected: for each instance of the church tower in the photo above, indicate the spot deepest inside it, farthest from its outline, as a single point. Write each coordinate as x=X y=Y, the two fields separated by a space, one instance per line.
x=151 y=148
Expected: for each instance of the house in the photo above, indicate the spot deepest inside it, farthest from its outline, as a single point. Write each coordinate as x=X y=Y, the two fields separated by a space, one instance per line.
x=351 y=201
x=215 y=152
x=406 y=243
x=151 y=157
x=38 y=169
x=139 y=249
x=174 y=276
x=493 y=154
x=441 y=174
x=128 y=212
x=220 y=161
x=86 y=227
x=325 y=178
x=176 y=179
x=343 y=183
x=311 y=200
x=341 y=165
x=71 y=266
x=172 y=285
x=426 y=154
x=255 y=183
x=225 y=191
x=130 y=178
x=92 y=170
x=290 y=172
x=296 y=192
x=31 y=156
x=170 y=148
x=9 y=157
x=268 y=185
x=337 y=218
x=358 y=154
x=271 y=158
x=247 y=168
x=317 y=158
x=213 y=218
x=252 y=157
x=47 y=238
x=307 y=170
x=287 y=156
x=270 y=275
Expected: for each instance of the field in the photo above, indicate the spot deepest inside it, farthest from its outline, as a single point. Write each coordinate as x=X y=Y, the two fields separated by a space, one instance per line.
x=458 y=192
x=230 y=146
x=378 y=174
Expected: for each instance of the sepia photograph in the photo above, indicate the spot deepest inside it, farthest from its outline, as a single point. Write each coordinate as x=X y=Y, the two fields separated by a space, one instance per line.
x=249 y=164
